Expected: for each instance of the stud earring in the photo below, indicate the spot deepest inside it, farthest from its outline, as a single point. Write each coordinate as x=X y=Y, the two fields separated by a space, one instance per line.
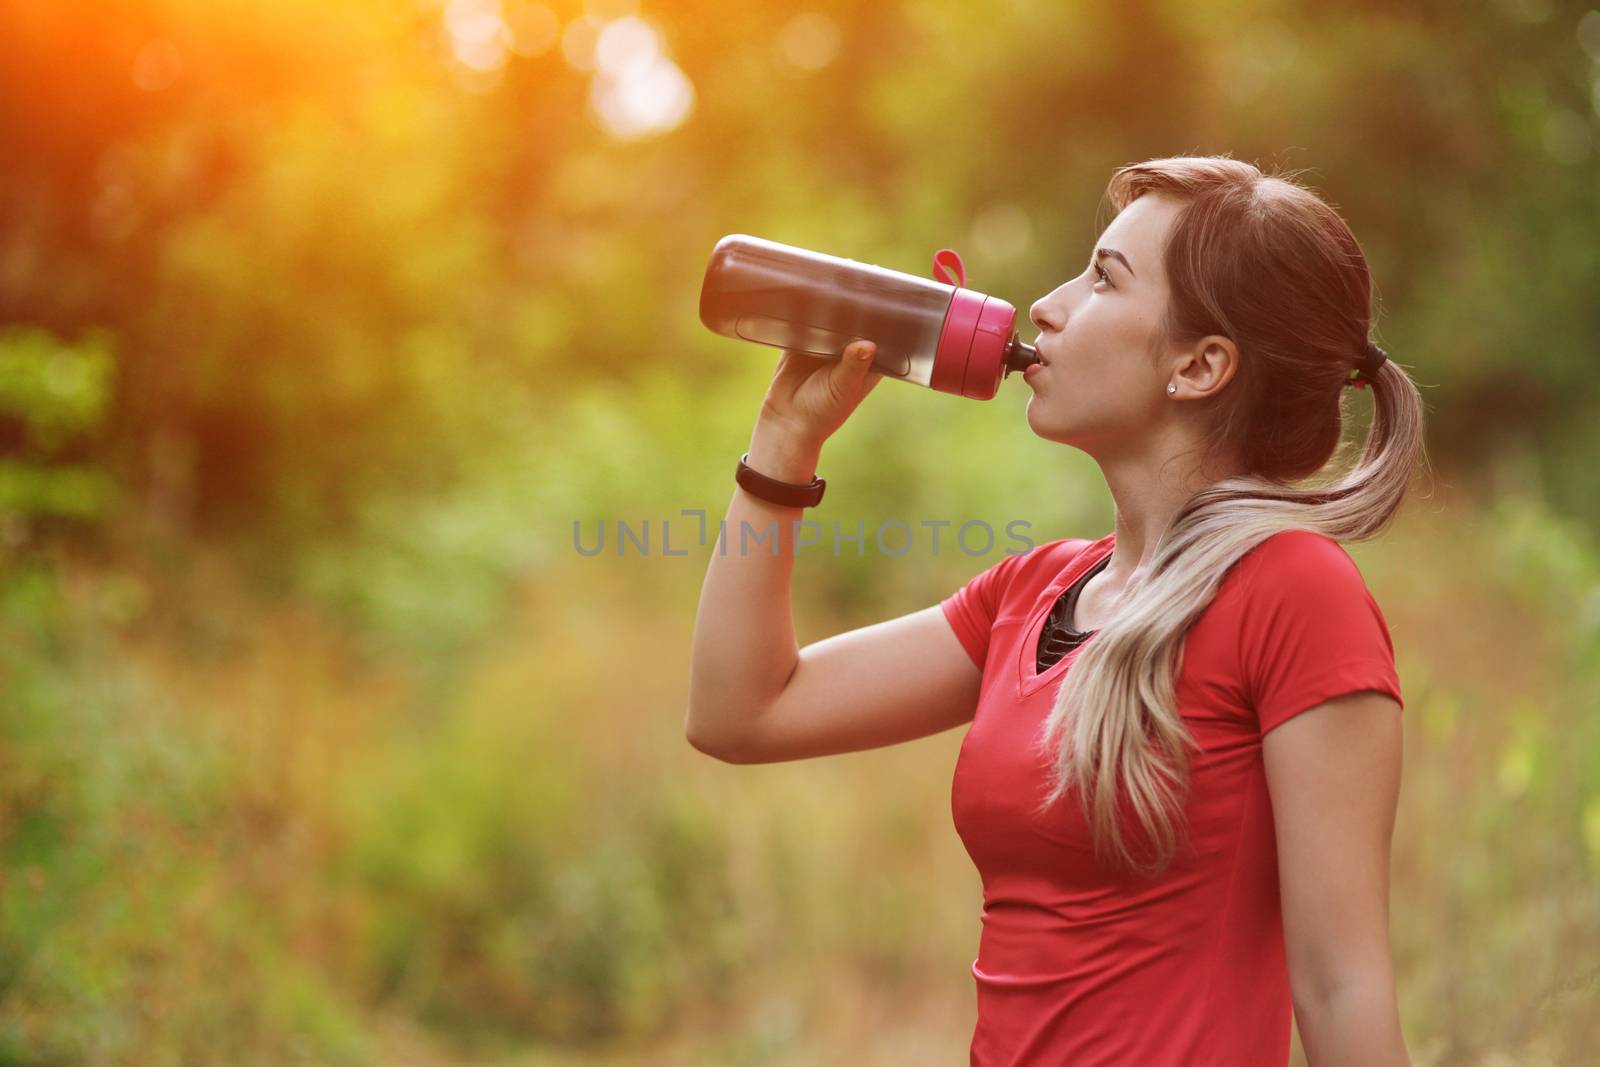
x=1171 y=388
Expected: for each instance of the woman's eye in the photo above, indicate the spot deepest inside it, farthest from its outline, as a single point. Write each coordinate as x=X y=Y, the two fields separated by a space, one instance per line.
x=1103 y=275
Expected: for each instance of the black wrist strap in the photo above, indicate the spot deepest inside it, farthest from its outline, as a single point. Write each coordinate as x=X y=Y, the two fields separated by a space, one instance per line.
x=788 y=494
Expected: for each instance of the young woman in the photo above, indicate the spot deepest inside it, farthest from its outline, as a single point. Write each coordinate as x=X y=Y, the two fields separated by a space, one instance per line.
x=1180 y=777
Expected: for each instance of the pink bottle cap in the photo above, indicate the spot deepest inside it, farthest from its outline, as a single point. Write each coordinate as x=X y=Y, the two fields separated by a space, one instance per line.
x=987 y=356
x=970 y=359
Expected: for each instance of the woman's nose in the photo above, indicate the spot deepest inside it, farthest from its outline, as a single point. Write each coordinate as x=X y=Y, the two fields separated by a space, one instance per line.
x=1043 y=316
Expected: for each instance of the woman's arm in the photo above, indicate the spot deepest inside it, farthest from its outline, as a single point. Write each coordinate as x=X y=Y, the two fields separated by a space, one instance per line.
x=754 y=697
x=1333 y=774
x=744 y=640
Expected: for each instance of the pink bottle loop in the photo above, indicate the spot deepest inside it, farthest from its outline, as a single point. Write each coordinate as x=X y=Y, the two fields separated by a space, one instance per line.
x=948 y=268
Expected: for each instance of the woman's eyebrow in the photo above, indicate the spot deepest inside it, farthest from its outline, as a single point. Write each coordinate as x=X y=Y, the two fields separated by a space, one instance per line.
x=1114 y=254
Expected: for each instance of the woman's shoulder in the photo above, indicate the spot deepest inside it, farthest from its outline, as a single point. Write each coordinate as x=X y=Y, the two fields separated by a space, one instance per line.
x=1290 y=552
x=1298 y=547
x=1050 y=558
x=1296 y=565
x=1301 y=626
x=1022 y=575
x=1064 y=550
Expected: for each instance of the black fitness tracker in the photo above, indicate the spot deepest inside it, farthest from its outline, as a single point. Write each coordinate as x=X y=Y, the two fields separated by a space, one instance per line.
x=773 y=491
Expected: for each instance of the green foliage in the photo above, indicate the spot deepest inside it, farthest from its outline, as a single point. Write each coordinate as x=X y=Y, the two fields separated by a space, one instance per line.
x=504 y=899
x=57 y=394
x=332 y=282
x=126 y=931
x=58 y=389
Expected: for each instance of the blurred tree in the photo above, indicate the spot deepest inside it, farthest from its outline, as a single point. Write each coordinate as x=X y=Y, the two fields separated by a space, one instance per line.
x=342 y=256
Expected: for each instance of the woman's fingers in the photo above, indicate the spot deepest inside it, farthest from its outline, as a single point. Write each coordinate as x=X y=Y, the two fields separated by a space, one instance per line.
x=818 y=393
x=795 y=367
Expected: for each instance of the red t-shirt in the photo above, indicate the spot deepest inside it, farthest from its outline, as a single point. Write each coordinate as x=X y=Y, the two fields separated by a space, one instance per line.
x=1077 y=965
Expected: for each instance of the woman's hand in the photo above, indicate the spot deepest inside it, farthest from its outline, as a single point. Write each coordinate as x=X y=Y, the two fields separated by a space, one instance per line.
x=811 y=396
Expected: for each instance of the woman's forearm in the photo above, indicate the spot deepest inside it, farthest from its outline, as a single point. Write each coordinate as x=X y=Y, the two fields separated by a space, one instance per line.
x=744 y=642
x=1357 y=1027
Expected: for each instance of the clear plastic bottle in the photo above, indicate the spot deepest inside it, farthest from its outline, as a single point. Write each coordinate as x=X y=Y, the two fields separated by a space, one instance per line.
x=929 y=333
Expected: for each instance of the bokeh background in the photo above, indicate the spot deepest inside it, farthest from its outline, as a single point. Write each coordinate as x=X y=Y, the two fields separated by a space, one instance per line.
x=323 y=323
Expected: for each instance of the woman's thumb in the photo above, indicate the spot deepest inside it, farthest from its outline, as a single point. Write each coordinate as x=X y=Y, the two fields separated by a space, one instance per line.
x=856 y=362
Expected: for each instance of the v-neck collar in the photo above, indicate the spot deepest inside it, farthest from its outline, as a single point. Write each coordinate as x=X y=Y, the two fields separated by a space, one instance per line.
x=1028 y=681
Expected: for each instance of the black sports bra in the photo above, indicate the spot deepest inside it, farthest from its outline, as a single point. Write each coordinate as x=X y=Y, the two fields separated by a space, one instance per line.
x=1058 y=637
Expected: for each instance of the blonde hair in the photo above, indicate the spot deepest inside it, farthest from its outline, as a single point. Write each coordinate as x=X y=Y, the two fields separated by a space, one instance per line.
x=1264 y=261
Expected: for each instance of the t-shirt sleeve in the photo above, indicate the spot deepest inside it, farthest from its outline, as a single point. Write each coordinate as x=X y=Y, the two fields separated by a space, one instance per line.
x=972 y=609
x=1310 y=630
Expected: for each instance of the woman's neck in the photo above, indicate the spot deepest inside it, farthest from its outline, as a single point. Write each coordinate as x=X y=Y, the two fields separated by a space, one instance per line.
x=1148 y=495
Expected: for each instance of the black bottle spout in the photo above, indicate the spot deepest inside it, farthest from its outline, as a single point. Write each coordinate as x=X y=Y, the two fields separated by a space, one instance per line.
x=1019 y=356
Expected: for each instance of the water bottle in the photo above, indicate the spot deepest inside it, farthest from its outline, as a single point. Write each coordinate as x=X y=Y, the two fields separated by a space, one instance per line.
x=937 y=334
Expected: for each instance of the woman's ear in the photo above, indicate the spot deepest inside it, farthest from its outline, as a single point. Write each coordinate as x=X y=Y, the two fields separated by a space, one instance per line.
x=1207 y=365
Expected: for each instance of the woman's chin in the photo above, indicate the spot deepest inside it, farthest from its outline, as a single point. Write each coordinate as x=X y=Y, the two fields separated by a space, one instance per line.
x=1039 y=416
x=1045 y=424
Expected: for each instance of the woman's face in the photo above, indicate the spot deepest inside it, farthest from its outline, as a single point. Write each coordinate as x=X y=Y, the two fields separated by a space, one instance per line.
x=1101 y=386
